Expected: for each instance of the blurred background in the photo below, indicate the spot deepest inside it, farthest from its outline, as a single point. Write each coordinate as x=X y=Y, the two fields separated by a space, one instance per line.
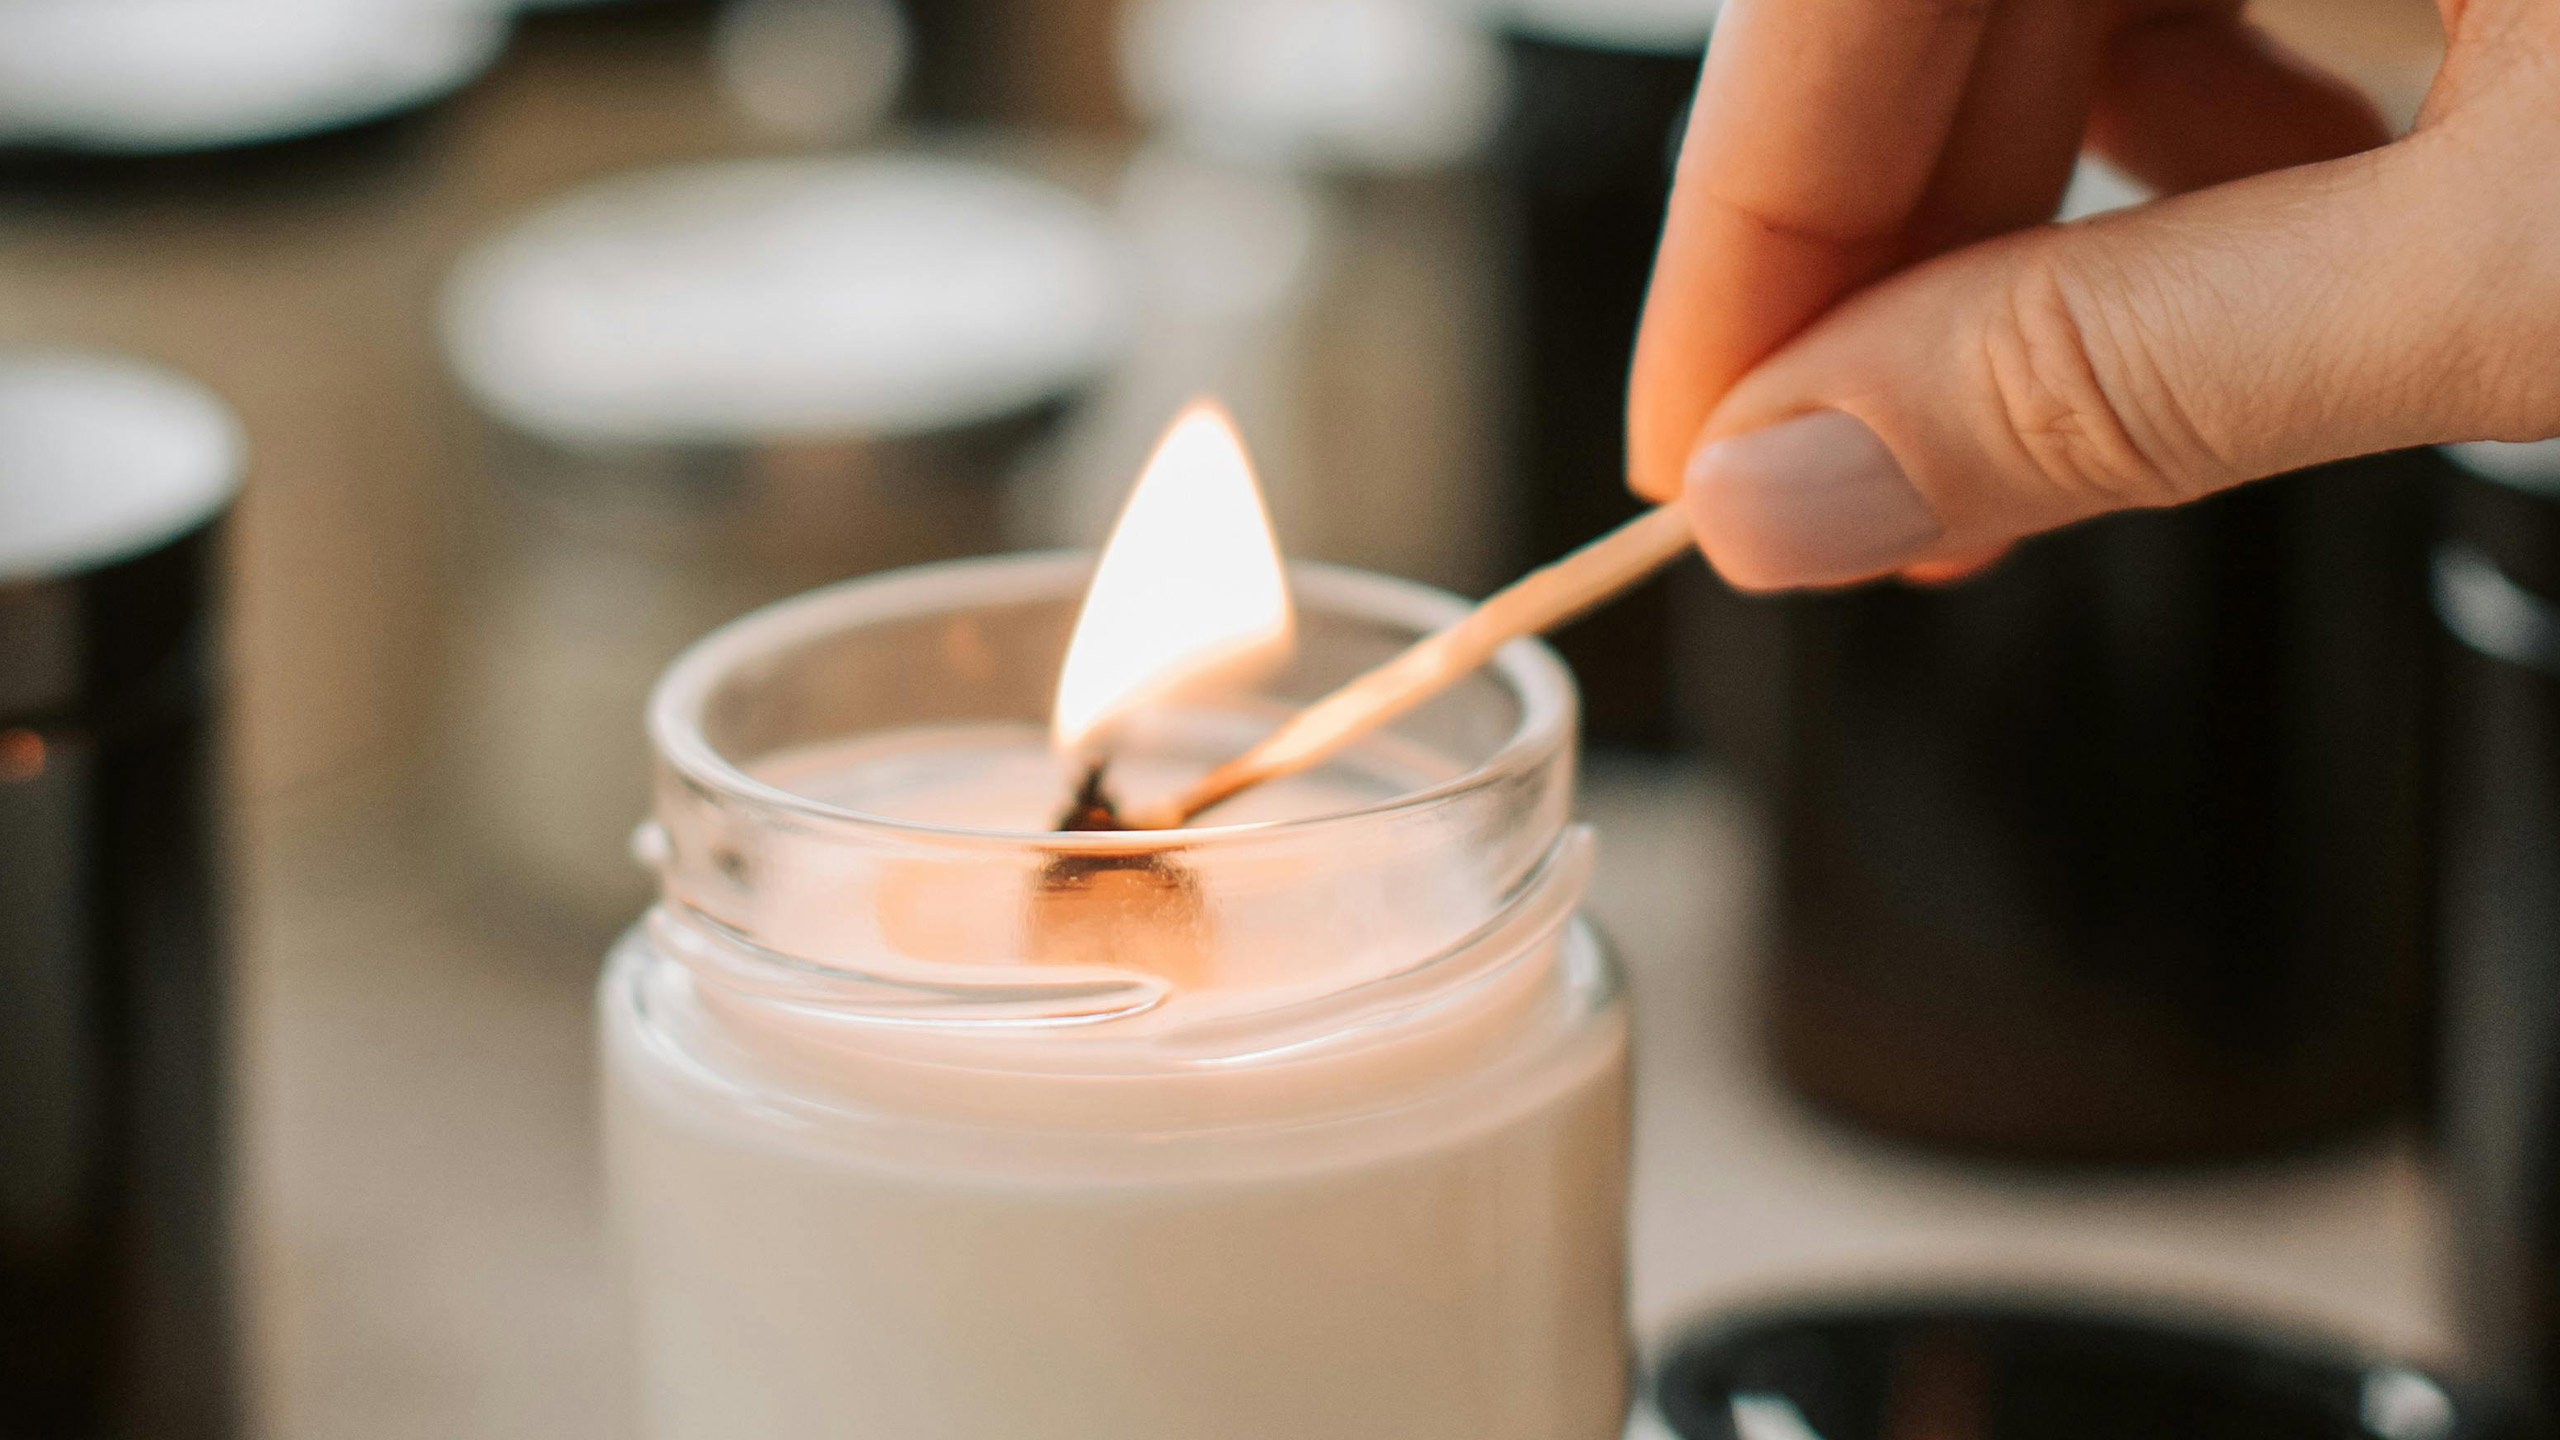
x=2094 y=926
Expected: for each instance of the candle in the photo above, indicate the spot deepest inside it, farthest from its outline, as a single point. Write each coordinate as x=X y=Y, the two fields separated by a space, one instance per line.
x=709 y=386
x=1310 y=1122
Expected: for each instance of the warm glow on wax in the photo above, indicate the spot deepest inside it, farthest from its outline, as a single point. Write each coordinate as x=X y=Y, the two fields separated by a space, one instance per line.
x=1190 y=590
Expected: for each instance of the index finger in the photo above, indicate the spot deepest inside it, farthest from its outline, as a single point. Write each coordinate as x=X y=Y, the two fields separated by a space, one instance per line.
x=1817 y=127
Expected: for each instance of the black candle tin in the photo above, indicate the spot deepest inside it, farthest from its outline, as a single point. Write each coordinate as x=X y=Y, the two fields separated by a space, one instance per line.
x=2497 y=588
x=2122 y=852
x=115 y=1275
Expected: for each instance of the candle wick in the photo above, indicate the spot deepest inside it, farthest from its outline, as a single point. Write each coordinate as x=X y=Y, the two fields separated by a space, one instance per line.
x=1136 y=909
x=1092 y=808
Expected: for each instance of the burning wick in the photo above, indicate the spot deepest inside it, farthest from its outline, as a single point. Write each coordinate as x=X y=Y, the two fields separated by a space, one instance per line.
x=1189 y=595
x=1091 y=809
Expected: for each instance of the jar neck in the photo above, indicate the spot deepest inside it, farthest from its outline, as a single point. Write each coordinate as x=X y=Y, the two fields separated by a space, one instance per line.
x=1476 y=1026
x=1199 y=1020
x=798 y=870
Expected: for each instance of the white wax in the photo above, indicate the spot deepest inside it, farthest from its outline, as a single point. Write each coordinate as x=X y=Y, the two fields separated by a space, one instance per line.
x=1405 y=1222
x=906 y=916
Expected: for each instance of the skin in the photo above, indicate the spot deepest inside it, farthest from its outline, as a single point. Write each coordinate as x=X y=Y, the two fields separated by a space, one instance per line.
x=1859 y=225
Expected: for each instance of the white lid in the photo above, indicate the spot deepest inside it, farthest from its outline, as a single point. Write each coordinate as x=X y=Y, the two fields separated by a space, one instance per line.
x=1653 y=27
x=768 y=298
x=2527 y=465
x=164 y=75
x=102 y=458
x=1371 y=84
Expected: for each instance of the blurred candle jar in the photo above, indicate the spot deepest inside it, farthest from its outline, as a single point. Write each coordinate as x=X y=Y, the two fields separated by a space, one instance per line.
x=927 y=1121
x=1597 y=93
x=2497 y=590
x=2121 y=852
x=709 y=387
x=115 y=1244
x=1322 y=249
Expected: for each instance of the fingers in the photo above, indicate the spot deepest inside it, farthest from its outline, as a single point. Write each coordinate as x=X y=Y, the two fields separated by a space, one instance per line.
x=1836 y=139
x=2016 y=136
x=2139 y=360
x=2193 y=99
x=1951 y=571
x=1817 y=126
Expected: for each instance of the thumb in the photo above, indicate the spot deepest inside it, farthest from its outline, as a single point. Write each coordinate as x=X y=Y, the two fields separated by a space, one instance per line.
x=2140 y=359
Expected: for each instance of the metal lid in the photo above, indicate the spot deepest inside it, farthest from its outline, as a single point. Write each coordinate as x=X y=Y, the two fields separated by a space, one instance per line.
x=163 y=76
x=769 y=299
x=1952 y=1365
x=106 y=465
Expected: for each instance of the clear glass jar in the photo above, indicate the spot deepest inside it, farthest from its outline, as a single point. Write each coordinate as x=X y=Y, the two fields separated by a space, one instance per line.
x=1324 y=1135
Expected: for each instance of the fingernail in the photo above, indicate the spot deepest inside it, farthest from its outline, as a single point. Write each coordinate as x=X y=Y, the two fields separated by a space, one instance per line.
x=1816 y=500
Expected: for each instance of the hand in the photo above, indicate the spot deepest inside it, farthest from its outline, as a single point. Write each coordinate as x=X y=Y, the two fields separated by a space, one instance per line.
x=2308 y=292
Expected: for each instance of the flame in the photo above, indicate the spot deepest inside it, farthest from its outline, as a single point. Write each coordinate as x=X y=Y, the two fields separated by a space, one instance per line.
x=1189 y=591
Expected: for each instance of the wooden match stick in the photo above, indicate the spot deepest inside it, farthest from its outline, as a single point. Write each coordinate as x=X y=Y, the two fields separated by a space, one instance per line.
x=1534 y=603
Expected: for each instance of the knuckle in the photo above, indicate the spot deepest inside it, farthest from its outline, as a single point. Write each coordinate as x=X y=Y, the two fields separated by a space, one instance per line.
x=2064 y=373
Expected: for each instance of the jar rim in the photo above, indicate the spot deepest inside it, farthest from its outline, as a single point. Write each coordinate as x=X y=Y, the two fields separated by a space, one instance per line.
x=1529 y=668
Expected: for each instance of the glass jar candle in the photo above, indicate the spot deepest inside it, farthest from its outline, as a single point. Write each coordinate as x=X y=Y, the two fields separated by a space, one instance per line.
x=927 y=1121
